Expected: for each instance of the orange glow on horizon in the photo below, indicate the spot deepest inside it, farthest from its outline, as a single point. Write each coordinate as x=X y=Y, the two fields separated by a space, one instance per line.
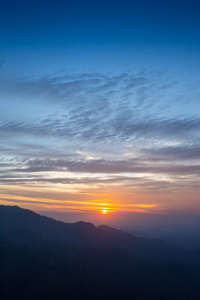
x=104 y=202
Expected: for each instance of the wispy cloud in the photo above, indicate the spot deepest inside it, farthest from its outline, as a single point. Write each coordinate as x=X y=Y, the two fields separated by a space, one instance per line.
x=93 y=129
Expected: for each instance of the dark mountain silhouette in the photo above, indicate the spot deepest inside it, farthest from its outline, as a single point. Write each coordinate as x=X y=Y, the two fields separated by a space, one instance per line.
x=41 y=258
x=21 y=225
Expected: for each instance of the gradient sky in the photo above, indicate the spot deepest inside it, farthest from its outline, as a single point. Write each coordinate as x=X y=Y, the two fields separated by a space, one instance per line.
x=100 y=107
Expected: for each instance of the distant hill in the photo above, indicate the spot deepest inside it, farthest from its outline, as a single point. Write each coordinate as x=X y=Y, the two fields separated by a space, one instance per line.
x=41 y=258
x=22 y=225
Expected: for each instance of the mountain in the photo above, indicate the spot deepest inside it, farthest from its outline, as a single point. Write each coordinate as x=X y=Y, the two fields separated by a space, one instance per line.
x=21 y=225
x=41 y=258
x=24 y=226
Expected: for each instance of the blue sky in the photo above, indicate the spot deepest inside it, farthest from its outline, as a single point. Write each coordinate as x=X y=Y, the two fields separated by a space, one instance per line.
x=99 y=106
x=45 y=36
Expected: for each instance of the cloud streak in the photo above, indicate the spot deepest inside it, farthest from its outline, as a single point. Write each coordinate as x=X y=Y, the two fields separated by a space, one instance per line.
x=85 y=131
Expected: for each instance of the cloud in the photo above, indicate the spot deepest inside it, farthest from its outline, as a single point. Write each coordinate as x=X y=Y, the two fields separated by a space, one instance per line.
x=121 y=127
x=177 y=153
x=133 y=166
x=96 y=108
x=95 y=130
x=105 y=91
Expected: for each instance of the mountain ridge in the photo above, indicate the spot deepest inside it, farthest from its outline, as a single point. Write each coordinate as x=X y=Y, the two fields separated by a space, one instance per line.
x=14 y=220
x=42 y=258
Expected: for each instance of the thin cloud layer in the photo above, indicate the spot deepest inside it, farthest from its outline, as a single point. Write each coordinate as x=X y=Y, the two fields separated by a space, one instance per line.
x=90 y=130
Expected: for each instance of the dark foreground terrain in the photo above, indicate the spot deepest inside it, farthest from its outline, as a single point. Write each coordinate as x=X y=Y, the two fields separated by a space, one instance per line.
x=41 y=258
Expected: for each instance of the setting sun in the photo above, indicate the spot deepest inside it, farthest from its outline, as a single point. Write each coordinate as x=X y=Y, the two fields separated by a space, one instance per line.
x=104 y=211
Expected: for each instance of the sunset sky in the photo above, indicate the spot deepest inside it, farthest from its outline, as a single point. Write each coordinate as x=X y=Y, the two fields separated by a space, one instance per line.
x=100 y=108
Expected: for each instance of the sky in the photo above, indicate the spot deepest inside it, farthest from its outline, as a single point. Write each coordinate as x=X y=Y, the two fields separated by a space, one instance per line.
x=100 y=109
